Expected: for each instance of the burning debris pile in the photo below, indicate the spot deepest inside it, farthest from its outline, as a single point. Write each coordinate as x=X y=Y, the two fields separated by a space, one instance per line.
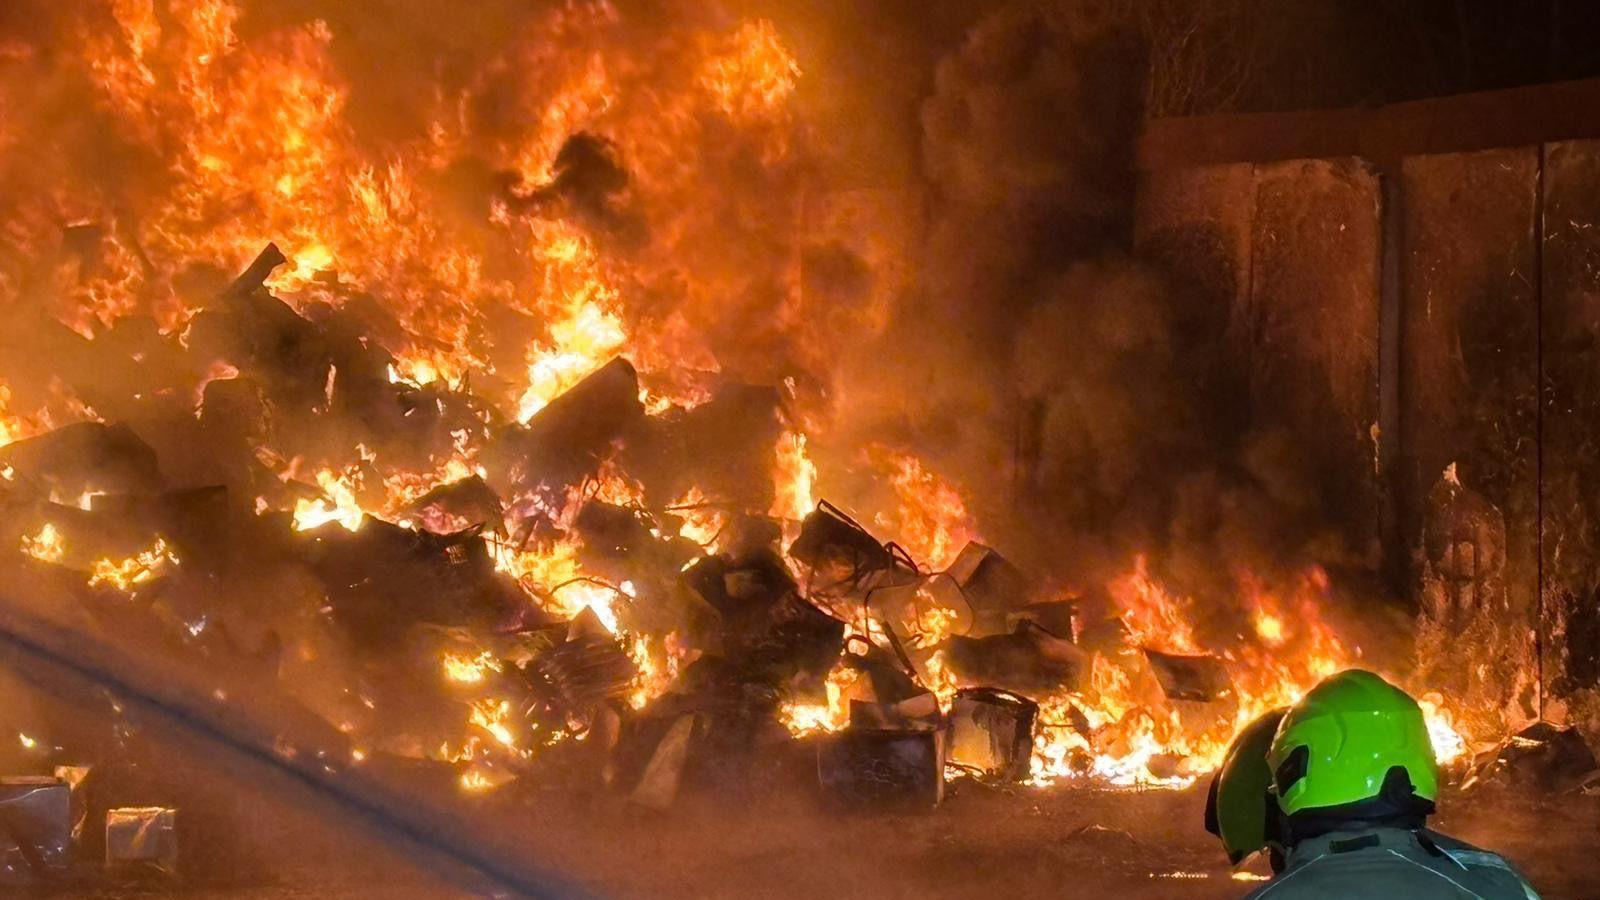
x=514 y=605
x=534 y=459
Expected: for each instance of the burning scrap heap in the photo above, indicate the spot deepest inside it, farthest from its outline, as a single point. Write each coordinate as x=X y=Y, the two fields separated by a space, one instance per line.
x=497 y=473
x=491 y=601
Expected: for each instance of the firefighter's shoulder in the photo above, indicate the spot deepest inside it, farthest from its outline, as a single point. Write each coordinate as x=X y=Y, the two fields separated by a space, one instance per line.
x=1486 y=863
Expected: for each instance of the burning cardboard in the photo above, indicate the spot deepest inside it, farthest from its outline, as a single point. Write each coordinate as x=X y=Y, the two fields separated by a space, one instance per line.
x=1055 y=616
x=613 y=533
x=460 y=505
x=255 y=275
x=586 y=669
x=742 y=590
x=263 y=336
x=566 y=439
x=382 y=578
x=802 y=643
x=624 y=543
x=86 y=458
x=721 y=448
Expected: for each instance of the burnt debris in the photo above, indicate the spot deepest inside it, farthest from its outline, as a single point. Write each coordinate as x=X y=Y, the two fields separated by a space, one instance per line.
x=387 y=582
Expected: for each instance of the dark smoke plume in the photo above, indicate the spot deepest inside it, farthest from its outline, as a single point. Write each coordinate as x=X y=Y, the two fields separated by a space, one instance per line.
x=1089 y=403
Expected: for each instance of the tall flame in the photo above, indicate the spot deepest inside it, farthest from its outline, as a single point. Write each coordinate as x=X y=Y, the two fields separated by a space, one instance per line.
x=572 y=200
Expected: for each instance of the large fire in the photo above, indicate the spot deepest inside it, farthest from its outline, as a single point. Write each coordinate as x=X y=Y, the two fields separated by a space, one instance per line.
x=576 y=200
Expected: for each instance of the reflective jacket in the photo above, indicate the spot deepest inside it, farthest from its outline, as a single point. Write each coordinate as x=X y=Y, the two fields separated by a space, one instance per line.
x=1390 y=863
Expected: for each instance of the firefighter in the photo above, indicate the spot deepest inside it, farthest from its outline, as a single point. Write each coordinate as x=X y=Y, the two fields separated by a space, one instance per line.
x=1240 y=808
x=1355 y=780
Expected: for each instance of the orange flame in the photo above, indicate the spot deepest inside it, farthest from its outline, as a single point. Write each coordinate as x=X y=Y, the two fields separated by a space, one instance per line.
x=794 y=479
x=254 y=144
x=754 y=75
x=126 y=574
x=932 y=521
x=46 y=546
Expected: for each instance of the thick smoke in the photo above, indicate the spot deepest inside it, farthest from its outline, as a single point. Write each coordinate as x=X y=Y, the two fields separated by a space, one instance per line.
x=1089 y=402
x=1027 y=315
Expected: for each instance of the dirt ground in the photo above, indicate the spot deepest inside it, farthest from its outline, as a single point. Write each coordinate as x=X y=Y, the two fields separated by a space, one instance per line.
x=1058 y=842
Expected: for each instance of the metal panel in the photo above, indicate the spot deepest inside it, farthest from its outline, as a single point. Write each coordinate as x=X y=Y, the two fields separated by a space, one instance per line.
x=1311 y=327
x=1469 y=372
x=1569 y=325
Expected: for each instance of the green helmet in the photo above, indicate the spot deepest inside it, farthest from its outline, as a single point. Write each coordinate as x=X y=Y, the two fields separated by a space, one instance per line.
x=1239 y=806
x=1356 y=746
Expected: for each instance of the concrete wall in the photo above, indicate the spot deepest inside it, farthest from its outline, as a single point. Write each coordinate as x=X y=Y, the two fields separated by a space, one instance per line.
x=1413 y=313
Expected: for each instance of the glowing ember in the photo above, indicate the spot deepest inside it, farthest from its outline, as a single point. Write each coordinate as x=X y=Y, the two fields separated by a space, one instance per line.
x=659 y=663
x=336 y=503
x=494 y=717
x=553 y=575
x=834 y=714
x=11 y=429
x=63 y=406
x=702 y=522
x=402 y=488
x=470 y=669
x=46 y=546
x=126 y=574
